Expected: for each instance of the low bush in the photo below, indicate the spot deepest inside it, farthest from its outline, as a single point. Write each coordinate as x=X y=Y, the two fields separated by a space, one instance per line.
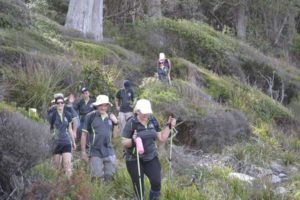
x=34 y=86
x=23 y=144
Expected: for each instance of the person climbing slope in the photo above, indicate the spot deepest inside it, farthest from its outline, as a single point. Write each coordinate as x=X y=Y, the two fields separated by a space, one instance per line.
x=164 y=69
x=83 y=107
x=124 y=103
x=145 y=126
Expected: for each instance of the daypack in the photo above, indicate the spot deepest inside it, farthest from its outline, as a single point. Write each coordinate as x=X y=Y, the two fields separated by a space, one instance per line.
x=134 y=122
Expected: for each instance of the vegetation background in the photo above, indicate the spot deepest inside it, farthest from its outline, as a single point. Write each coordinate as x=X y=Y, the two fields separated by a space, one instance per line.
x=235 y=92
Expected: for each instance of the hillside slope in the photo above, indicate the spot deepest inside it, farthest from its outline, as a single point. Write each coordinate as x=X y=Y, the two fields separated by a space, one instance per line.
x=221 y=96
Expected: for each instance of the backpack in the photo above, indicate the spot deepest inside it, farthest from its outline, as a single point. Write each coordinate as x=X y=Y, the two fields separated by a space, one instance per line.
x=134 y=122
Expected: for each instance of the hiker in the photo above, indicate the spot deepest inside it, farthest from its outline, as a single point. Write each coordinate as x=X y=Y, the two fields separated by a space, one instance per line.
x=70 y=105
x=63 y=136
x=99 y=124
x=145 y=126
x=83 y=107
x=124 y=101
x=164 y=68
x=69 y=108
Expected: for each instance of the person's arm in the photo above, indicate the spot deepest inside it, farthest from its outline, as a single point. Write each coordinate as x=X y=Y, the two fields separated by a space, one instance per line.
x=84 y=155
x=164 y=134
x=74 y=126
x=74 y=121
x=117 y=100
x=127 y=136
x=72 y=136
x=113 y=119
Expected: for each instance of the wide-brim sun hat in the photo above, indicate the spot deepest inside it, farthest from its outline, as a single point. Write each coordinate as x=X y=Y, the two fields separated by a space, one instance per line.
x=102 y=99
x=143 y=106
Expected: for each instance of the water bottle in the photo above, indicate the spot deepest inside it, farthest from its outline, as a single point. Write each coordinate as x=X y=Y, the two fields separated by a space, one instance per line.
x=139 y=145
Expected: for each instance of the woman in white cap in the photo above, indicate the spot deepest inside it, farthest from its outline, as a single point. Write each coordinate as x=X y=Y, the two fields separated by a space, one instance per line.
x=164 y=68
x=145 y=126
x=99 y=125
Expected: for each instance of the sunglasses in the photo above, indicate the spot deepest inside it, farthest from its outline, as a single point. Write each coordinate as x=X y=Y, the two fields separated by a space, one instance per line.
x=59 y=102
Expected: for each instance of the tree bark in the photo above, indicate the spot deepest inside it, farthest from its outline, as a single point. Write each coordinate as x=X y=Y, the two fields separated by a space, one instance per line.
x=241 y=24
x=86 y=16
x=154 y=8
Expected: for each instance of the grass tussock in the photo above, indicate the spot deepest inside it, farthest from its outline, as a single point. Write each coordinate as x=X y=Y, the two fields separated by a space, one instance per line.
x=35 y=85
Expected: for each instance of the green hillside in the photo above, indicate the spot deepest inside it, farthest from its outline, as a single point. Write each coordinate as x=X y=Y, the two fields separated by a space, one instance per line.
x=228 y=119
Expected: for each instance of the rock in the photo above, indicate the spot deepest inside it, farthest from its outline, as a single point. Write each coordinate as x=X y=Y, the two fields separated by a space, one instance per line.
x=276 y=167
x=292 y=169
x=242 y=177
x=281 y=191
x=282 y=175
x=275 y=179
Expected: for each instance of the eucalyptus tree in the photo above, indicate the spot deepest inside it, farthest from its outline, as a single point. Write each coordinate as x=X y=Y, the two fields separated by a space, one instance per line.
x=86 y=16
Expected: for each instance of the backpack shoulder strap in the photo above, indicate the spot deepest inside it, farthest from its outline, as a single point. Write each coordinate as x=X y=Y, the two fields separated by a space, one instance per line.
x=52 y=118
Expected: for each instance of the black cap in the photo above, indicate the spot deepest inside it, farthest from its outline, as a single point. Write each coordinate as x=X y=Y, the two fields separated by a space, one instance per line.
x=127 y=84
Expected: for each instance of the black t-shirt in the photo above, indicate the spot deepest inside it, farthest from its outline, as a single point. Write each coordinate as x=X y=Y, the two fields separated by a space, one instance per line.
x=125 y=97
x=61 y=126
x=148 y=135
x=100 y=134
x=84 y=108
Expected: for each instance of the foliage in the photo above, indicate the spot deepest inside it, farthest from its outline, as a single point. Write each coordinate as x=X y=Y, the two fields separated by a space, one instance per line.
x=295 y=47
x=249 y=100
x=91 y=51
x=34 y=86
x=29 y=40
x=195 y=41
x=159 y=92
x=13 y=15
x=23 y=144
x=49 y=29
x=100 y=79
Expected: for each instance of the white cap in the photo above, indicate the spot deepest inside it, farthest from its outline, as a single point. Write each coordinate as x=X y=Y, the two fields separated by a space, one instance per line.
x=59 y=95
x=143 y=106
x=102 y=99
x=162 y=56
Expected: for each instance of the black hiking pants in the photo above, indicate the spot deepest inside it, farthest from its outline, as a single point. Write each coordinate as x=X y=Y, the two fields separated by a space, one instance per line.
x=151 y=168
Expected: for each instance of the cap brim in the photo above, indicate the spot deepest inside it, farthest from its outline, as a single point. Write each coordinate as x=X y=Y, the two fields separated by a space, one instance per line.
x=146 y=111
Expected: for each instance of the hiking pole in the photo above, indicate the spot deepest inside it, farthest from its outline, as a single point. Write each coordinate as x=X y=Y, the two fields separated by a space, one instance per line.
x=173 y=134
x=140 y=149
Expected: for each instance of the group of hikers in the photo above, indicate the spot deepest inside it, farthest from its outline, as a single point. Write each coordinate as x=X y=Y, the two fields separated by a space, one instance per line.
x=90 y=121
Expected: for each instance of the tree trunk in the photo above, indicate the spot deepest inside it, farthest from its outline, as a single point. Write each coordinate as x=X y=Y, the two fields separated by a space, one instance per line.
x=241 y=24
x=154 y=8
x=86 y=16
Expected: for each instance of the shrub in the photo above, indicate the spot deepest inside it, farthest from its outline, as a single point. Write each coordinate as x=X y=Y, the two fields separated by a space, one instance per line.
x=23 y=144
x=100 y=79
x=35 y=85
x=13 y=15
